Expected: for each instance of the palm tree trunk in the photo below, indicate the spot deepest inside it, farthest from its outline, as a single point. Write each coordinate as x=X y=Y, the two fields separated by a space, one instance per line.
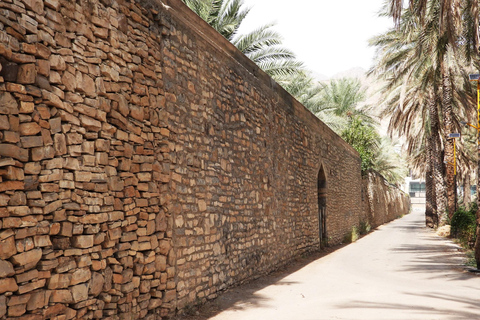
x=467 y=196
x=449 y=154
x=477 y=241
x=430 y=201
x=439 y=182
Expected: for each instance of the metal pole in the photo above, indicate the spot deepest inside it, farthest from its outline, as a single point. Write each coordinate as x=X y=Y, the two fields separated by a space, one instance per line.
x=455 y=172
x=477 y=242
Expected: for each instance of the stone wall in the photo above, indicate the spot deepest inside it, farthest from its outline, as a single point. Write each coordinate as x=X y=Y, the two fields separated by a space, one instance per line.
x=146 y=164
x=244 y=192
x=383 y=202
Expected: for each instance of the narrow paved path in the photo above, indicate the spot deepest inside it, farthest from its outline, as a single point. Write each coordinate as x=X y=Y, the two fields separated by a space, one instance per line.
x=400 y=271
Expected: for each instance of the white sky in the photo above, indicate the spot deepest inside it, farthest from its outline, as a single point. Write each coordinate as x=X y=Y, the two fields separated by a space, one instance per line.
x=329 y=36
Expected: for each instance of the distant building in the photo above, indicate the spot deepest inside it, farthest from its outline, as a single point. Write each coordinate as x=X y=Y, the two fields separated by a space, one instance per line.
x=416 y=189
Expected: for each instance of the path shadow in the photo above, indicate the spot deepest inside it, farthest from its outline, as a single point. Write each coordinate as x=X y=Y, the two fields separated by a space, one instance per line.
x=429 y=312
x=440 y=255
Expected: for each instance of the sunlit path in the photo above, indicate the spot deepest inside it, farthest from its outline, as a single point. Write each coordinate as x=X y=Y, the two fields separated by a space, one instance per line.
x=400 y=271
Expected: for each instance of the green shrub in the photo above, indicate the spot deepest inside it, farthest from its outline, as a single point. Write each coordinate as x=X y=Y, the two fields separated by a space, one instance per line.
x=463 y=226
x=365 y=227
x=351 y=236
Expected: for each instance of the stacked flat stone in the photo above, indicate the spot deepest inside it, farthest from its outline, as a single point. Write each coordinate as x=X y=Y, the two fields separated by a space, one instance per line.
x=83 y=233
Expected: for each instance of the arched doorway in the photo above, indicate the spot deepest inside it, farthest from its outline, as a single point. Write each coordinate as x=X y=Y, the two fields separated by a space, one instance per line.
x=322 y=207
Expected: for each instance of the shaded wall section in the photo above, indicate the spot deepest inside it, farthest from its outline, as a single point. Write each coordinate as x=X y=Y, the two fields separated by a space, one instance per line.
x=383 y=202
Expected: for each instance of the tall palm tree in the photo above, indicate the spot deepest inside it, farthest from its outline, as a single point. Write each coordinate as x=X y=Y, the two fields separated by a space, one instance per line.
x=457 y=26
x=263 y=45
x=389 y=163
x=332 y=102
x=337 y=103
x=431 y=216
x=344 y=97
x=453 y=16
x=405 y=63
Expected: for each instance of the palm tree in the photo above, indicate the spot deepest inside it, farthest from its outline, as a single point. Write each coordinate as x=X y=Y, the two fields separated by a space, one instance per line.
x=344 y=97
x=454 y=17
x=313 y=96
x=223 y=16
x=263 y=45
x=337 y=103
x=405 y=64
x=342 y=100
x=389 y=163
x=455 y=23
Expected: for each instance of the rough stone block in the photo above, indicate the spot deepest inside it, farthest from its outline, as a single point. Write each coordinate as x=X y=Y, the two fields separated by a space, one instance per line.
x=52 y=100
x=90 y=123
x=96 y=284
x=170 y=295
x=59 y=281
x=61 y=296
x=8 y=70
x=88 y=147
x=56 y=309
x=60 y=144
x=83 y=241
x=4 y=201
x=31 y=286
x=14 y=173
x=3 y=305
x=16 y=311
x=37 y=300
x=32 y=168
x=51 y=207
x=81 y=276
x=27 y=73
x=4 y=122
x=43 y=67
x=57 y=62
x=154 y=303
x=11 y=222
x=29 y=128
x=161 y=263
x=34 y=5
x=6 y=269
x=29 y=258
x=144 y=176
x=42 y=241
x=26 y=107
x=61 y=243
x=31 y=141
x=19 y=211
x=8 y=285
x=7 y=248
x=202 y=206
x=10 y=150
x=26 y=276
x=83 y=176
x=115 y=183
x=41 y=153
x=55 y=125
x=79 y=292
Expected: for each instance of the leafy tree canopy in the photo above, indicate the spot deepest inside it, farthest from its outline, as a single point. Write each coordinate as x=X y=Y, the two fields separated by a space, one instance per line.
x=364 y=139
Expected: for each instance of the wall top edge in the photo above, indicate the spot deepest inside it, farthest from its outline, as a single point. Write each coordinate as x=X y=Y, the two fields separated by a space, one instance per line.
x=179 y=10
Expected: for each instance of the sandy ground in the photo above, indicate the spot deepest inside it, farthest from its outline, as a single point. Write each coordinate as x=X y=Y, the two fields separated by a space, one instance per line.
x=400 y=271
